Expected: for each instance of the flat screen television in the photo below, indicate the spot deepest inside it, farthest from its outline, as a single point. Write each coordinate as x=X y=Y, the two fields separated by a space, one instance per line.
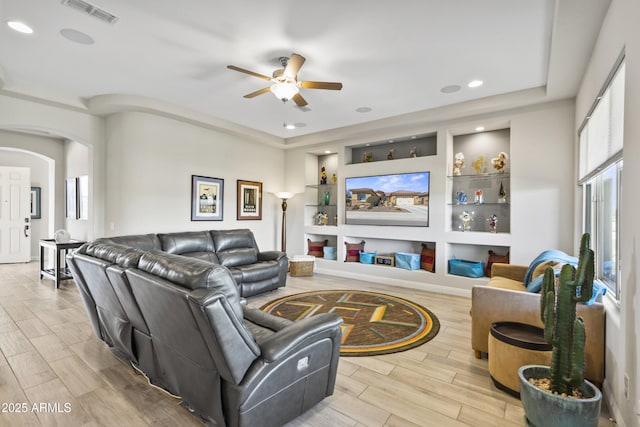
x=394 y=199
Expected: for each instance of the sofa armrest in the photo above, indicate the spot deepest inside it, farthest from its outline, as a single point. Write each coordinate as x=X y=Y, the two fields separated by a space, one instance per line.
x=299 y=334
x=271 y=255
x=510 y=271
x=490 y=305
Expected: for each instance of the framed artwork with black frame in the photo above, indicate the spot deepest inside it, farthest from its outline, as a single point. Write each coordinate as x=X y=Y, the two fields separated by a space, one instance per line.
x=71 y=198
x=207 y=196
x=36 y=209
x=249 y=200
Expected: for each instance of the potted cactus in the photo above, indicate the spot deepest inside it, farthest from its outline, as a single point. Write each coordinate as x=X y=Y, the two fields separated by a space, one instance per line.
x=559 y=395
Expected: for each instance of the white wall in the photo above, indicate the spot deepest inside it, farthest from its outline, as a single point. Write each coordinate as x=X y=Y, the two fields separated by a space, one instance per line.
x=620 y=31
x=77 y=164
x=150 y=161
x=41 y=155
x=17 y=113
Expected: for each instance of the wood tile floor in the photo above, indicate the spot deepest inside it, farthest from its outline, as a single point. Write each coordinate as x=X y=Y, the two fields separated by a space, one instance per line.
x=54 y=372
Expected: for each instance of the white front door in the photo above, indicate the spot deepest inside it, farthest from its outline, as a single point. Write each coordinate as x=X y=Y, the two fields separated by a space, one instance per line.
x=15 y=214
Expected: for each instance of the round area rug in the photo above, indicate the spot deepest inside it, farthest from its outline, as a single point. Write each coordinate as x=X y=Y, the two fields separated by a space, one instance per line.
x=374 y=323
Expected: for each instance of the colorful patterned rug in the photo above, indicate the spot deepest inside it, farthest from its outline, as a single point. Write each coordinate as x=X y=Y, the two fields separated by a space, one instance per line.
x=374 y=323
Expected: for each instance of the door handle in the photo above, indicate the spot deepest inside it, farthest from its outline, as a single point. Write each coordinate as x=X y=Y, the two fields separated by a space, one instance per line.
x=26 y=228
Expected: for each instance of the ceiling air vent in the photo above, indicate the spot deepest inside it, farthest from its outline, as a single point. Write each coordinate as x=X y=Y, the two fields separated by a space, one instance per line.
x=91 y=10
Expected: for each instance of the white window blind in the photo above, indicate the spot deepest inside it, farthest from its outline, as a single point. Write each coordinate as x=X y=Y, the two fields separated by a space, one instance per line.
x=601 y=137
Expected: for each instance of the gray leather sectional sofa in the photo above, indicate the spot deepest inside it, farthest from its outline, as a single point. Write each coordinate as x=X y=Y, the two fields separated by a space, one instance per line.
x=181 y=320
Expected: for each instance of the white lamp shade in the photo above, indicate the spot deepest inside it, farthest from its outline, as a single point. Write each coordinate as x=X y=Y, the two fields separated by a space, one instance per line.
x=284 y=91
x=284 y=195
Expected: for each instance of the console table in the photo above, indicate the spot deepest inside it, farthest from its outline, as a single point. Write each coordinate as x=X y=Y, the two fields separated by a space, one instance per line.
x=59 y=272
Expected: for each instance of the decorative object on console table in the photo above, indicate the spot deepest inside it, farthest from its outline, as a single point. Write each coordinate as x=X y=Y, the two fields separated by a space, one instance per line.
x=206 y=198
x=353 y=251
x=249 y=197
x=284 y=196
x=494 y=257
x=36 y=210
x=428 y=258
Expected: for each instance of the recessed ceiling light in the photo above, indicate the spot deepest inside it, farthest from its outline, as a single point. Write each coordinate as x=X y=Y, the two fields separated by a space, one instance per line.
x=479 y=128
x=363 y=109
x=20 y=27
x=289 y=126
x=450 y=89
x=327 y=151
x=367 y=144
x=475 y=83
x=76 y=36
x=391 y=141
x=413 y=137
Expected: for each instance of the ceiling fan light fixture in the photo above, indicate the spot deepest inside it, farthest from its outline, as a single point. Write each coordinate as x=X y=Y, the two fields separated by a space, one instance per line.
x=284 y=91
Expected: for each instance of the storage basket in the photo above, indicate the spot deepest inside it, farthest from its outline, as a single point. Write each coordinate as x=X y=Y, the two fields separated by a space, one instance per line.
x=408 y=261
x=301 y=265
x=367 y=257
x=330 y=252
x=461 y=267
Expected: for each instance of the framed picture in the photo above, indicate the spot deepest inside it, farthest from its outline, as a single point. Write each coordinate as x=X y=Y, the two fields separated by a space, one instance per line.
x=206 y=198
x=83 y=197
x=35 y=203
x=249 y=200
x=72 y=198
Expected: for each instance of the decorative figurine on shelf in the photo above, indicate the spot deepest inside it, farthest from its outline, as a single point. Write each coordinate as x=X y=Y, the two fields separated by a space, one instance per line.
x=458 y=164
x=390 y=153
x=413 y=152
x=466 y=218
x=480 y=165
x=461 y=198
x=323 y=175
x=334 y=179
x=479 y=199
x=324 y=219
x=367 y=156
x=493 y=222
x=500 y=162
x=502 y=194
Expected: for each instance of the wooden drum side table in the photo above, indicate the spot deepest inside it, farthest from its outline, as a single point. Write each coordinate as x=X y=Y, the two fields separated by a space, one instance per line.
x=512 y=345
x=59 y=272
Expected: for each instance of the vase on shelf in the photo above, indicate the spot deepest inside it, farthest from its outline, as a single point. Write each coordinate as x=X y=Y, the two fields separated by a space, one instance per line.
x=327 y=197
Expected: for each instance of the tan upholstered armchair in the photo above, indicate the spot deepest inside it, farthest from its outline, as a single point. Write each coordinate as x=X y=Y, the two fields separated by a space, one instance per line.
x=505 y=298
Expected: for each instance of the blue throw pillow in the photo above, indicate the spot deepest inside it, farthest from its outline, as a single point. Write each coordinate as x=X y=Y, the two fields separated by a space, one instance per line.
x=535 y=285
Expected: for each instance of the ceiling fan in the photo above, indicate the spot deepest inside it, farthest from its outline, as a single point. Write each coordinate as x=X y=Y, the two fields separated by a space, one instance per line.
x=285 y=81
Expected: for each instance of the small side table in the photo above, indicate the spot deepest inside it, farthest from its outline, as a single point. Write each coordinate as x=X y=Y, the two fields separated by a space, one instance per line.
x=512 y=345
x=59 y=272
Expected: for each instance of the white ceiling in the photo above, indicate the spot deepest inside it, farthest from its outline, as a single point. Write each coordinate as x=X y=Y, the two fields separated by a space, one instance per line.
x=391 y=56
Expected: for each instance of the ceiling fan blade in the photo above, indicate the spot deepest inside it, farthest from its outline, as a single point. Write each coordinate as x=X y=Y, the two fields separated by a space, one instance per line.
x=293 y=65
x=251 y=73
x=299 y=100
x=321 y=85
x=258 y=92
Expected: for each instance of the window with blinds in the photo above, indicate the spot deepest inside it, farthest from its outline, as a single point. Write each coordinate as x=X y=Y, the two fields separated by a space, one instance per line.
x=600 y=175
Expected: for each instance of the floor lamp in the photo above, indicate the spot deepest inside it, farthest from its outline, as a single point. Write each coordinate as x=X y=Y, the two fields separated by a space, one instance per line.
x=284 y=196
